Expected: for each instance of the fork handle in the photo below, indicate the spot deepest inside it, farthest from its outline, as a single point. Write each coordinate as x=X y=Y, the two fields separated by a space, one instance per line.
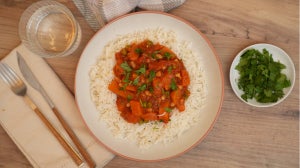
x=75 y=139
x=54 y=131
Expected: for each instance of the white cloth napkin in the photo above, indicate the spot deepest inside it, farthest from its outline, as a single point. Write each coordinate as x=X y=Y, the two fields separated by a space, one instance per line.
x=98 y=12
x=26 y=129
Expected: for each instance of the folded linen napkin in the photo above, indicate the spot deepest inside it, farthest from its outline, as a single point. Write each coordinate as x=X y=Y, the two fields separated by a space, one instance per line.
x=99 y=12
x=27 y=130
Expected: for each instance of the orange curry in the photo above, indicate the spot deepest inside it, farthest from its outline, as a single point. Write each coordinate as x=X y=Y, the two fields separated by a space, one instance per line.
x=150 y=81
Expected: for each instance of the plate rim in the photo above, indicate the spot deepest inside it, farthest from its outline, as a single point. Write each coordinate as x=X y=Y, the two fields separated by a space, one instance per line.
x=232 y=78
x=220 y=69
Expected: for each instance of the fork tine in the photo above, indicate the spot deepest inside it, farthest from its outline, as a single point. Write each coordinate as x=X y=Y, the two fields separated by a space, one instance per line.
x=9 y=75
x=3 y=74
x=12 y=75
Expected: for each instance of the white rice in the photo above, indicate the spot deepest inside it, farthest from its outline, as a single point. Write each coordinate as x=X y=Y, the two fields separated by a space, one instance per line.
x=145 y=135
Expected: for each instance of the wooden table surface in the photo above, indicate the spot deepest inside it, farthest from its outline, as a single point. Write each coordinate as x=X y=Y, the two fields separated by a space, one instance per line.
x=243 y=136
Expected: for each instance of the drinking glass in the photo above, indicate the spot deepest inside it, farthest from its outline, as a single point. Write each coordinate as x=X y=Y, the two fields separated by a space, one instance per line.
x=49 y=29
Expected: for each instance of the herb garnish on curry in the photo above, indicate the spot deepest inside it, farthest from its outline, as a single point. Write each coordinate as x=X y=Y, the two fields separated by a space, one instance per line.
x=150 y=81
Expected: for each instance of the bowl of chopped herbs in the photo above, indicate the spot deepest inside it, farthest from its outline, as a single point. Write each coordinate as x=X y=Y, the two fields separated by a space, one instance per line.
x=262 y=75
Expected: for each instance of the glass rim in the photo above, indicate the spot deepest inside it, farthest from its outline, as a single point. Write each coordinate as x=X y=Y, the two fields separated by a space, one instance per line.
x=26 y=20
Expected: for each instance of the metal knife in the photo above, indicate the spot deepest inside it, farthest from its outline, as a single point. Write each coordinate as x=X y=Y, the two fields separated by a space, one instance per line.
x=32 y=80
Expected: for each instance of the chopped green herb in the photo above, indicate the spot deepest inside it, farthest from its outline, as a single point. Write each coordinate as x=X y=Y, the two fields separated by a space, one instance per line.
x=142 y=70
x=126 y=79
x=136 y=81
x=126 y=67
x=165 y=92
x=170 y=68
x=153 y=55
x=168 y=110
x=129 y=97
x=261 y=77
x=124 y=86
x=167 y=55
x=149 y=43
x=142 y=87
x=138 y=51
x=143 y=104
x=150 y=88
x=151 y=75
x=173 y=84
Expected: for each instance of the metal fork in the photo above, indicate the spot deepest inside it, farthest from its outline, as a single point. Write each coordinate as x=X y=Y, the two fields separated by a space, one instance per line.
x=18 y=87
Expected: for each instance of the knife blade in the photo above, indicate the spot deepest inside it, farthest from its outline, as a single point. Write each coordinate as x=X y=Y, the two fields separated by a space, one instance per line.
x=33 y=81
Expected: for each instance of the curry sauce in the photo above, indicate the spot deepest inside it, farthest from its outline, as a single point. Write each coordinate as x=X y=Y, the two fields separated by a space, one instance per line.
x=150 y=81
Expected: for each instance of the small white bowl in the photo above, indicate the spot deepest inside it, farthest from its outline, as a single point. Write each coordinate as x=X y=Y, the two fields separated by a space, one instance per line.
x=278 y=55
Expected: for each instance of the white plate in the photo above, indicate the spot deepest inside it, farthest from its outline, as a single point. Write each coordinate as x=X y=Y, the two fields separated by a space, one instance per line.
x=212 y=71
x=278 y=55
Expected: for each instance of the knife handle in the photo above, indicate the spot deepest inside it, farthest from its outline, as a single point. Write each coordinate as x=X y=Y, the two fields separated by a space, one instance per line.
x=54 y=131
x=75 y=139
